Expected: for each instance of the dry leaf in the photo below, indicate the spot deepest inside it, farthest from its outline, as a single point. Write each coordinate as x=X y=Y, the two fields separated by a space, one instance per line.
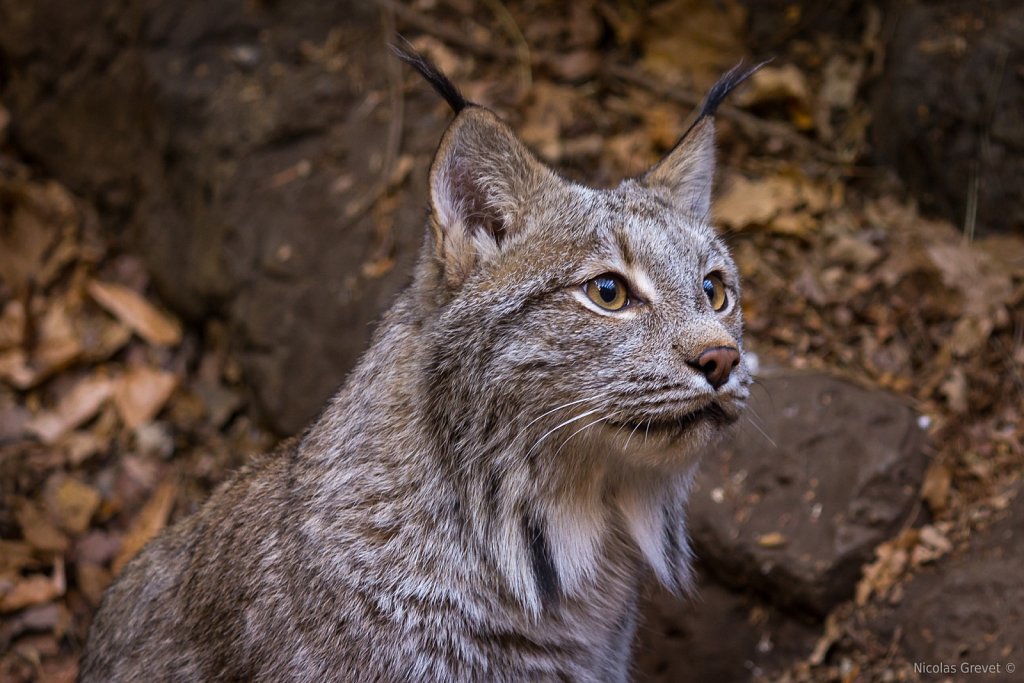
x=934 y=538
x=755 y=202
x=57 y=345
x=954 y=388
x=92 y=580
x=79 y=405
x=13 y=419
x=34 y=590
x=794 y=224
x=79 y=446
x=12 y=325
x=833 y=630
x=151 y=519
x=932 y=545
x=53 y=617
x=967 y=269
x=26 y=238
x=694 y=39
x=772 y=540
x=782 y=203
x=775 y=84
x=935 y=488
x=39 y=531
x=891 y=562
x=378 y=267
x=141 y=393
x=96 y=547
x=129 y=307
x=70 y=503
x=100 y=337
x=577 y=65
x=14 y=556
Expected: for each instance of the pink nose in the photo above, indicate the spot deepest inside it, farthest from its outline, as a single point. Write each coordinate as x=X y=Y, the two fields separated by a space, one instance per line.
x=717 y=364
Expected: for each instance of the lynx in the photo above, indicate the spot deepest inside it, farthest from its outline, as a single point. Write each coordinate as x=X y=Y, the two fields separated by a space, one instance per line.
x=504 y=470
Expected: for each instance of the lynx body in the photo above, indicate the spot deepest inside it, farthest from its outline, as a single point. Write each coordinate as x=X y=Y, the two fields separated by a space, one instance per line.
x=485 y=497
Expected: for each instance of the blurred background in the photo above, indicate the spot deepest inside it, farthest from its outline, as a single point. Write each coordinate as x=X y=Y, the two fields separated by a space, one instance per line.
x=204 y=207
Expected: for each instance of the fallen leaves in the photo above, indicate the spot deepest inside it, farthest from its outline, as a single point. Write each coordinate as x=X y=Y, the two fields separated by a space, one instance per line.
x=782 y=204
x=70 y=503
x=34 y=590
x=694 y=40
x=95 y=390
x=772 y=540
x=80 y=404
x=40 y=232
x=782 y=85
x=140 y=394
x=37 y=529
x=935 y=488
x=150 y=520
x=891 y=560
x=129 y=307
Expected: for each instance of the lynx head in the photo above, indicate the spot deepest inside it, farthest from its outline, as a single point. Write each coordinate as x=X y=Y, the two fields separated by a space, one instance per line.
x=573 y=325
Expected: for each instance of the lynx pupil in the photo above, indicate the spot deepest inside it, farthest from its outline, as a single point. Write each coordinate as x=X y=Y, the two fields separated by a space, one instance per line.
x=608 y=289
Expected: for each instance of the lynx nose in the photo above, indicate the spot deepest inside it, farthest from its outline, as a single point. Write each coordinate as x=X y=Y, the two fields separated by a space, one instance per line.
x=717 y=364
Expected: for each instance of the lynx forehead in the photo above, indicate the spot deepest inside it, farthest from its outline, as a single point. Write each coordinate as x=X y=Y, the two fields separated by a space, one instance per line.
x=484 y=497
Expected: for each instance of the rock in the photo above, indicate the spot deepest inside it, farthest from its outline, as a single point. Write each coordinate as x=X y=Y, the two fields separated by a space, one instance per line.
x=717 y=635
x=794 y=503
x=946 y=112
x=238 y=147
x=968 y=607
x=945 y=107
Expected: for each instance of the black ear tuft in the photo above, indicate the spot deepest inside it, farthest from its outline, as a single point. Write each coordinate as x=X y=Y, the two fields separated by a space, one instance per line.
x=726 y=84
x=426 y=68
x=721 y=89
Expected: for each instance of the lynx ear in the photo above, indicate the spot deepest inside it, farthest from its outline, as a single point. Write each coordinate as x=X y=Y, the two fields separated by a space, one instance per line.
x=688 y=170
x=481 y=179
x=686 y=173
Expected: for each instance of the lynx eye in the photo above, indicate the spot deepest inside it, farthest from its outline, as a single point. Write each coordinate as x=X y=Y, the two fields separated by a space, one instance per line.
x=715 y=289
x=608 y=292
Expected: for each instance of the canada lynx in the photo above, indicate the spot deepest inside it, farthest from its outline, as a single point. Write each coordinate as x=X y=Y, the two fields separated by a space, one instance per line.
x=483 y=499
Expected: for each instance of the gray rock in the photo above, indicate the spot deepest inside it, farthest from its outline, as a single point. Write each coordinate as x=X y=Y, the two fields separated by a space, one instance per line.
x=227 y=142
x=968 y=607
x=795 y=502
x=947 y=109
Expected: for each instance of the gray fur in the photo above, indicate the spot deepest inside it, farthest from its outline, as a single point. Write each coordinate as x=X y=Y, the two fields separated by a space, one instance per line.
x=487 y=494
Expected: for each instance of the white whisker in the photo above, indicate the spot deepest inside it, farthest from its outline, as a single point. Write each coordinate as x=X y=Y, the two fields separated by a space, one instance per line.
x=630 y=438
x=582 y=429
x=564 y=405
x=555 y=429
x=763 y=433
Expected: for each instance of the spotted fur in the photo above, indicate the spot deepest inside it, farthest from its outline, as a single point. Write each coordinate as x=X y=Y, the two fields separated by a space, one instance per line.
x=502 y=472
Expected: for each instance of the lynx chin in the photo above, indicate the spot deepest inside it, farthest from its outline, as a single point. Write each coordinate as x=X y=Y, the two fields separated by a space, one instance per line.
x=503 y=471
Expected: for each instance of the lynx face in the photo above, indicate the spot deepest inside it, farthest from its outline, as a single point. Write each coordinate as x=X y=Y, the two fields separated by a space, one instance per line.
x=616 y=312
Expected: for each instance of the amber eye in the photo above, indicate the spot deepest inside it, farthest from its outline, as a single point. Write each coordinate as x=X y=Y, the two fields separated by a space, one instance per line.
x=715 y=289
x=608 y=292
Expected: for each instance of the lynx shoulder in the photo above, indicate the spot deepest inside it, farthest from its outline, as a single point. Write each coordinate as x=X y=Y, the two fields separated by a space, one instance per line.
x=505 y=467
